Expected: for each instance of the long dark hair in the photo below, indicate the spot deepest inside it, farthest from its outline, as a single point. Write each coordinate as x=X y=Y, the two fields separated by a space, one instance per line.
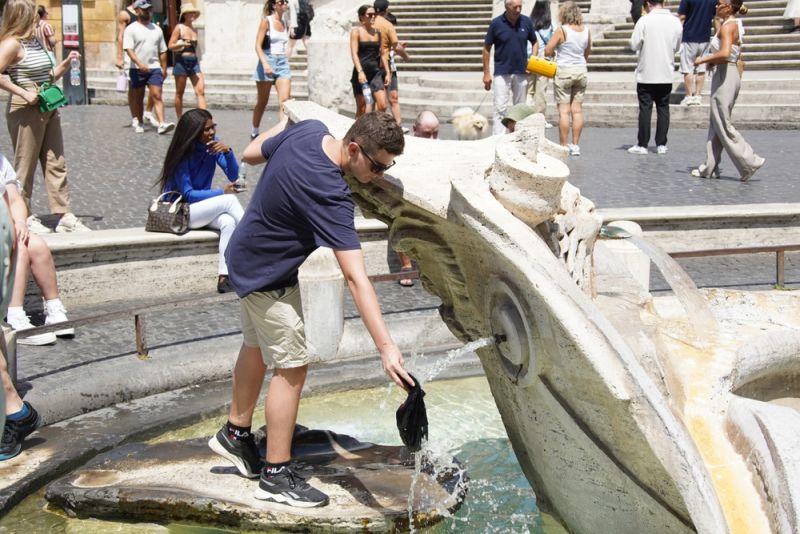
x=540 y=15
x=188 y=131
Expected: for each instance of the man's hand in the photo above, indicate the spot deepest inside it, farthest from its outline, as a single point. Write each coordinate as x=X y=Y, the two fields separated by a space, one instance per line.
x=144 y=68
x=487 y=81
x=392 y=360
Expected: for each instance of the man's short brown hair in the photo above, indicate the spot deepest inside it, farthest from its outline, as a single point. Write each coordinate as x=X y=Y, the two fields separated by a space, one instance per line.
x=375 y=131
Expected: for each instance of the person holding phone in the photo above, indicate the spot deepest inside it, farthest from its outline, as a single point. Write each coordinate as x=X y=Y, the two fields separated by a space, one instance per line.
x=192 y=157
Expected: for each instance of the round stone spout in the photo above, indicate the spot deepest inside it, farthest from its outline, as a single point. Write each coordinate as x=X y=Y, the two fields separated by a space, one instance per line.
x=621 y=418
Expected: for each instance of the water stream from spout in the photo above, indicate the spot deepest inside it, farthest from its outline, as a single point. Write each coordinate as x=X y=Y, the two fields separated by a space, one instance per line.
x=701 y=319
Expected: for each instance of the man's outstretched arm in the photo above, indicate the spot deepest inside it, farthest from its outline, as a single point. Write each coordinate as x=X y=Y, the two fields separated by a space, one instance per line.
x=355 y=274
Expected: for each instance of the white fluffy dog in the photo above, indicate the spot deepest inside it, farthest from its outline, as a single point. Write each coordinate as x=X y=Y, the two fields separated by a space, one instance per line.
x=469 y=125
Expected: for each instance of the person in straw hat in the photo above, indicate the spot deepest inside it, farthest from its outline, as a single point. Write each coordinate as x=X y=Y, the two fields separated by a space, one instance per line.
x=183 y=44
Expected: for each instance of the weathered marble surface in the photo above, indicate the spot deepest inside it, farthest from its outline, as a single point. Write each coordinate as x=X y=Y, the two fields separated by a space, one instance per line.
x=369 y=485
x=627 y=414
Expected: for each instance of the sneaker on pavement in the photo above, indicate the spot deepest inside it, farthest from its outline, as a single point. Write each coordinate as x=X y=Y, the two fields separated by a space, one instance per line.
x=242 y=453
x=56 y=313
x=636 y=149
x=165 y=127
x=661 y=149
x=548 y=124
x=287 y=487
x=574 y=150
x=23 y=322
x=696 y=100
x=138 y=128
x=70 y=223
x=149 y=117
x=35 y=226
x=687 y=100
x=14 y=432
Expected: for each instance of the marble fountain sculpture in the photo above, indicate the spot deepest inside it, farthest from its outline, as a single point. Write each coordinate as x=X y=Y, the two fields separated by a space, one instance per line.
x=628 y=413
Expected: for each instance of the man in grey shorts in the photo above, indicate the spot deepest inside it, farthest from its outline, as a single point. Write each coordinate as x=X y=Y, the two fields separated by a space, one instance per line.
x=301 y=202
x=697 y=17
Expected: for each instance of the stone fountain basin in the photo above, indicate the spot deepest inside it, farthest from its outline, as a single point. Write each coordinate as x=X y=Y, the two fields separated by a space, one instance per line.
x=370 y=487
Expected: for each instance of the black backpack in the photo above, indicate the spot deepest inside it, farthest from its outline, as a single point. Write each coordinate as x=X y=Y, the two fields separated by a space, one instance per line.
x=306 y=9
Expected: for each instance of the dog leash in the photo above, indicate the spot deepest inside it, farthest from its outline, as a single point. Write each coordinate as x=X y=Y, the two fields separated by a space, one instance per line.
x=485 y=94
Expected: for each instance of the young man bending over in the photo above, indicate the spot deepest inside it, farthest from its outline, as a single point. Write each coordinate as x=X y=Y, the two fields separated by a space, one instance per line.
x=301 y=202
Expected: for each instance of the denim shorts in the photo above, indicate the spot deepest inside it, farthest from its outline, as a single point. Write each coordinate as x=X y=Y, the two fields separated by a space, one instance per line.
x=152 y=77
x=279 y=66
x=186 y=66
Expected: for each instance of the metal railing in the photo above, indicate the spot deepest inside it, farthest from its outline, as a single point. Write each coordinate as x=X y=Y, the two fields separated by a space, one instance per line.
x=138 y=311
x=779 y=250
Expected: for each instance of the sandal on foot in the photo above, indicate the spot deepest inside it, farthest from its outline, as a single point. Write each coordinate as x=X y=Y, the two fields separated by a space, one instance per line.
x=406 y=282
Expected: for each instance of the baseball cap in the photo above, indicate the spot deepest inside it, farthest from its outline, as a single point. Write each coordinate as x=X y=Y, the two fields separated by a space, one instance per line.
x=381 y=5
x=142 y=4
x=517 y=112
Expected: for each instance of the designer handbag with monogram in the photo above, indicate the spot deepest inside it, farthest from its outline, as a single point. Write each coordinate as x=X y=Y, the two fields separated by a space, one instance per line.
x=166 y=216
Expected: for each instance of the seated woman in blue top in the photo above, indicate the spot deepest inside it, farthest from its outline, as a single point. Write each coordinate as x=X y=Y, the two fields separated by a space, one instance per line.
x=192 y=158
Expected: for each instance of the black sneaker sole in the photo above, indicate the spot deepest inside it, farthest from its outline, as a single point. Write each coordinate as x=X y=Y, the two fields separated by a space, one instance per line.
x=220 y=449
x=262 y=495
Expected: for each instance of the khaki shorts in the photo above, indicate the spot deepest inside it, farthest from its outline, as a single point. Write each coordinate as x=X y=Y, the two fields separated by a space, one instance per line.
x=570 y=84
x=273 y=322
x=690 y=52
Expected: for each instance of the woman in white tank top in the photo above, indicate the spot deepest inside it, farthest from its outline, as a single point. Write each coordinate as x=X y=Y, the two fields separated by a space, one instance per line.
x=725 y=49
x=272 y=38
x=572 y=45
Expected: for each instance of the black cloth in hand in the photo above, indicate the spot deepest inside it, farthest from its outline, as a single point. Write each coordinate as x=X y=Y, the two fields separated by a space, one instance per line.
x=412 y=418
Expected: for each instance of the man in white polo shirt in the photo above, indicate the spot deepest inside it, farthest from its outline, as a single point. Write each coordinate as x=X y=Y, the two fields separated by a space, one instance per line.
x=657 y=37
x=144 y=43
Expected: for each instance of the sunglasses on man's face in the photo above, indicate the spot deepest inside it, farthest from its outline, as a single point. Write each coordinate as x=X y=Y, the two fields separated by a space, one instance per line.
x=282 y=2
x=370 y=15
x=376 y=167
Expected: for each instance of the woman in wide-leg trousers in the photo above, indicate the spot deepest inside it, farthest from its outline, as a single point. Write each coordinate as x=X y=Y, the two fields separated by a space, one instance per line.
x=721 y=133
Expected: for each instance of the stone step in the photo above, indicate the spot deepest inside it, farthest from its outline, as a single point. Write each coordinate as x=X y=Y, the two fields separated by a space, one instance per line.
x=785 y=116
x=210 y=77
x=468 y=49
x=756 y=65
x=417 y=44
x=621 y=84
x=450 y=30
x=429 y=22
x=750 y=55
x=750 y=49
x=403 y=13
x=790 y=39
x=773 y=29
x=437 y=3
x=748 y=21
x=473 y=94
x=215 y=85
x=216 y=100
x=474 y=66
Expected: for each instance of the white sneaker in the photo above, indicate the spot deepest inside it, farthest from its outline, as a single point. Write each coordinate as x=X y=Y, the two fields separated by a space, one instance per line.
x=696 y=100
x=687 y=100
x=136 y=126
x=56 y=313
x=35 y=226
x=70 y=223
x=574 y=150
x=661 y=149
x=149 y=117
x=636 y=149
x=23 y=322
x=164 y=127
x=548 y=125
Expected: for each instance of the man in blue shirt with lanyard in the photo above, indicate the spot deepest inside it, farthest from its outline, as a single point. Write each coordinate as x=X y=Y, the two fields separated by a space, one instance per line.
x=301 y=202
x=510 y=34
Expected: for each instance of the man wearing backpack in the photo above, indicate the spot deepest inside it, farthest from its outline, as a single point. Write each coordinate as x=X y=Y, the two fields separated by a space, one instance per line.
x=301 y=13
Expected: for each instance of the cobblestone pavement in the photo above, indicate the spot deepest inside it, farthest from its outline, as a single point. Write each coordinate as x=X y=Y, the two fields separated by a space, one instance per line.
x=111 y=171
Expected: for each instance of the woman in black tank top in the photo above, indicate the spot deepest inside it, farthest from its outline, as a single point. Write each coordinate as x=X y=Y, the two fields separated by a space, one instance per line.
x=369 y=66
x=183 y=43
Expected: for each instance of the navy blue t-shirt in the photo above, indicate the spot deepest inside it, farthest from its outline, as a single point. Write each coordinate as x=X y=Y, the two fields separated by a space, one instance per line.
x=699 y=16
x=510 y=44
x=301 y=203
